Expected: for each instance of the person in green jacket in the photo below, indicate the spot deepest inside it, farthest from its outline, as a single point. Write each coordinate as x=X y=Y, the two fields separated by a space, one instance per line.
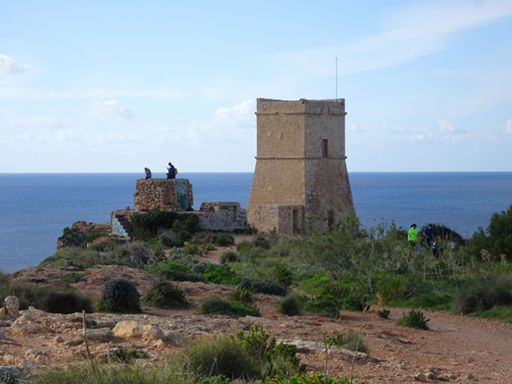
x=412 y=235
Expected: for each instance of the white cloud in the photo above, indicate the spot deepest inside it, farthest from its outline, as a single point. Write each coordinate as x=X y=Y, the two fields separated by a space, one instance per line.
x=10 y=67
x=415 y=31
x=448 y=131
x=111 y=108
x=235 y=123
x=240 y=112
x=94 y=93
x=508 y=126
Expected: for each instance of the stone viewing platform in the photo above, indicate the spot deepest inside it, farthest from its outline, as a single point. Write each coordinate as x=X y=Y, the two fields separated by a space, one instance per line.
x=170 y=195
x=175 y=195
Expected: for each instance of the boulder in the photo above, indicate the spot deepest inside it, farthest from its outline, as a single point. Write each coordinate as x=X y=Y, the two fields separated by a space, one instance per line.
x=129 y=329
x=11 y=308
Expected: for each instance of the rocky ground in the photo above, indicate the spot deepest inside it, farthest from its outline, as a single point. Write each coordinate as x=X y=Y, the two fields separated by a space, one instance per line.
x=456 y=349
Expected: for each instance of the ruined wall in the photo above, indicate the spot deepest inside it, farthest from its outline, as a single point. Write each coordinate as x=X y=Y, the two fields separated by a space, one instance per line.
x=163 y=194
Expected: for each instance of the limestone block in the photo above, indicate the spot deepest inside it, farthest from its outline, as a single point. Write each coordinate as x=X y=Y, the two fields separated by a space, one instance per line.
x=131 y=329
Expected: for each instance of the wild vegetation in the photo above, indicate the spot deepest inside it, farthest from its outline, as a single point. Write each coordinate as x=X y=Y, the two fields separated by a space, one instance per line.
x=348 y=268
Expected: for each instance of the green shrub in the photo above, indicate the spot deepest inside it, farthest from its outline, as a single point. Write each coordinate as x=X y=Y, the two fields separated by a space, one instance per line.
x=383 y=313
x=229 y=257
x=220 y=274
x=242 y=294
x=484 y=295
x=290 y=305
x=72 y=277
x=221 y=355
x=179 y=276
x=64 y=302
x=166 y=295
x=136 y=254
x=46 y=298
x=283 y=275
x=127 y=355
x=192 y=249
x=217 y=306
x=223 y=239
x=147 y=224
x=72 y=237
x=171 y=239
x=263 y=286
x=119 y=296
x=274 y=359
x=351 y=340
x=414 y=319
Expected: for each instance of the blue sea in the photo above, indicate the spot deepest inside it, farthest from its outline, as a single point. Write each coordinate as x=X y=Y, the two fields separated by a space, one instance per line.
x=34 y=208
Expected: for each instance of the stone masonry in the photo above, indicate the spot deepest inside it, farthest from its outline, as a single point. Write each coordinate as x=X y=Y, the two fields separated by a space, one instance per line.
x=300 y=175
x=163 y=194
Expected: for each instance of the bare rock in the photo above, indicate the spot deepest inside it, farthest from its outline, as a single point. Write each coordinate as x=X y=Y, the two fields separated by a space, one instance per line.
x=128 y=329
x=174 y=338
x=101 y=334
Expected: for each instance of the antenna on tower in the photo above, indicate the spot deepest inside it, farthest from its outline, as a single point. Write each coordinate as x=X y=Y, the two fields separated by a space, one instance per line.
x=336 y=77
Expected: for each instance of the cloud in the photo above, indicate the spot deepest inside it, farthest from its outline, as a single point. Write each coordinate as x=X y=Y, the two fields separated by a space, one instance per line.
x=448 y=131
x=94 y=93
x=508 y=126
x=112 y=108
x=235 y=123
x=10 y=67
x=413 y=32
x=240 y=112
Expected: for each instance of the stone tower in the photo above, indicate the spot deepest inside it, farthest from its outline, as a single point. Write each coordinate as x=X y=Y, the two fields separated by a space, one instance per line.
x=301 y=175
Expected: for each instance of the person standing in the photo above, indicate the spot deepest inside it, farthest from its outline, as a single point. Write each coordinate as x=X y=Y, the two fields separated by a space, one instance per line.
x=429 y=235
x=412 y=235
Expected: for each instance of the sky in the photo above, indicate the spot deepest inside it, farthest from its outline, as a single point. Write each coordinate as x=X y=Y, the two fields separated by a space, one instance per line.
x=97 y=86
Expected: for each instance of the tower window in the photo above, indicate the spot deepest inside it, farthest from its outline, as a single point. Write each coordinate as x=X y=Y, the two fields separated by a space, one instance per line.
x=325 y=148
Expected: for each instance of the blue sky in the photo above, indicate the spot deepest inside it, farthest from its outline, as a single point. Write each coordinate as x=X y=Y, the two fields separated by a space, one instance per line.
x=116 y=86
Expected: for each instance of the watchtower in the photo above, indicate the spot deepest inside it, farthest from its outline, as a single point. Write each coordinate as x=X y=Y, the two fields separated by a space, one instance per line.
x=300 y=174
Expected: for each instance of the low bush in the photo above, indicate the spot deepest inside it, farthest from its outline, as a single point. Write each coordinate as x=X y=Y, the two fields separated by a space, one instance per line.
x=274 y=359
x=136 y=254
x=484 y=295
x=192 y=249
x=223 y=239
x=263 y=286
x=72 y=277
x=221 y=355
x=220 y=274
x=179 y=276
x=283 y=275
x=308 y=378
x=290 y=305
x=126 y=355
x=46 y=298
x=171 y=239
x=217 y=306
x=166 y=295
x=351 y=340
x=119 y=296
x=242 y=294
x=64 y=302
x=414 y=319
x=229 y=257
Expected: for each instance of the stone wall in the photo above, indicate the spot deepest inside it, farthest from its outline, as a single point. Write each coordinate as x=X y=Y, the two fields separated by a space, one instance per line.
x=283 y=219
x=222 y=216
x=163 y=194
